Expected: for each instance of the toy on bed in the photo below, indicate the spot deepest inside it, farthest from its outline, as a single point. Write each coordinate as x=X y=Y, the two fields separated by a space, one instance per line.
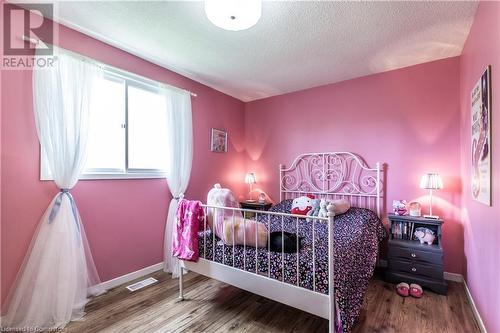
x=229 y=225
x=323 y=212
x=302 y=205
x=319 y=208
x=315 y=204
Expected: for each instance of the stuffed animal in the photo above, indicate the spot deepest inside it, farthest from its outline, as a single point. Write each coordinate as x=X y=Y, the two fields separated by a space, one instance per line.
x=400 y=207
x=302 y=205
x=314 y=210
x=230 y=226
x=425 y=235
x=339 y=207
x=323 y=212
x=240 y=231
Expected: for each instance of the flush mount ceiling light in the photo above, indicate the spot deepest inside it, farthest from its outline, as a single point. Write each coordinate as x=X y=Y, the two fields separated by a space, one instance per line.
x=233 y=14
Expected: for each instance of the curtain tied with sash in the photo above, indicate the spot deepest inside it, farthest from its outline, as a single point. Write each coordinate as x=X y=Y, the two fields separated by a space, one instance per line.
x=58 y=273
x=180 y=156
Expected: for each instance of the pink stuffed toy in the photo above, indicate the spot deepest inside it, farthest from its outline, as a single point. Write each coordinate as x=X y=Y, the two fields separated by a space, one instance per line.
x=230 y=226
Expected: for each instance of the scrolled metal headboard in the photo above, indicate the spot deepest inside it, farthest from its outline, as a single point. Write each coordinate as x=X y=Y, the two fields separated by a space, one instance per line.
x=333 y=175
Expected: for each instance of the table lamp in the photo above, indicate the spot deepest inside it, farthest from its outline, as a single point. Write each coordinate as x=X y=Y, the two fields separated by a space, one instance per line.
x=250 y=180
x=431 y=181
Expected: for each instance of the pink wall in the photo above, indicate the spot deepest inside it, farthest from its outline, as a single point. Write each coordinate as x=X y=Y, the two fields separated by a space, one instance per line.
x=414 y=119
x=124 y=219
x=482 y=223
x=407 y=118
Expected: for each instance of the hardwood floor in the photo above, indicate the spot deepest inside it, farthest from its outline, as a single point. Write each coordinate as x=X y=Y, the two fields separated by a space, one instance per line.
x=212 y=306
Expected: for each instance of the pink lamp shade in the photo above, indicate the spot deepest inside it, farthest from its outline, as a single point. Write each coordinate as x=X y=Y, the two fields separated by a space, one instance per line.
x=431 y=181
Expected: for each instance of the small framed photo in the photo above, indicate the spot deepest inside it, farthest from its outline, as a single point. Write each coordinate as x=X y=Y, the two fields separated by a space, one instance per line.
x=218 y=141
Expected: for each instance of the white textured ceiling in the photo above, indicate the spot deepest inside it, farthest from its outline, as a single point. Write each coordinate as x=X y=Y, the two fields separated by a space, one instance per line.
x=295 y=45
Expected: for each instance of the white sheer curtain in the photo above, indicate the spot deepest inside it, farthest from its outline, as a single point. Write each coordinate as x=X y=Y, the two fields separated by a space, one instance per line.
x=58 y=273
x=179 y=164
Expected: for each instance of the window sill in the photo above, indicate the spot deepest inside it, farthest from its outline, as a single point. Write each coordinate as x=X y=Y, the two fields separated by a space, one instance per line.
x=111 y=176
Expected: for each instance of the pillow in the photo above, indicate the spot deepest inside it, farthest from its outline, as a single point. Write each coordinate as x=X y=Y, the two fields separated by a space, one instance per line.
x=302 y=205
x=340 y=206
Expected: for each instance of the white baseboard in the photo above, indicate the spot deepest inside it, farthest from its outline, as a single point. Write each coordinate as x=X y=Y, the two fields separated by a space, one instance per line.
x=131 y=276
x=459 y=278
x=479 y=320
x=453 y=277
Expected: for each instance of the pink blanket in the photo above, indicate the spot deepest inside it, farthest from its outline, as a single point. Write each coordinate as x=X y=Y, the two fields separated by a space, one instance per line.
x=190 y=215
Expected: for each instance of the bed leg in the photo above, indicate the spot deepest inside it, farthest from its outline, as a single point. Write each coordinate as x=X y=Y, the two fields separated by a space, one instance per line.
x=331 y=271
x=181 y=280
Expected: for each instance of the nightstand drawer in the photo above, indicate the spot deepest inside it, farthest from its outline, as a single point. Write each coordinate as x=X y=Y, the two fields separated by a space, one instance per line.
x=396 y=252
x=417 y=269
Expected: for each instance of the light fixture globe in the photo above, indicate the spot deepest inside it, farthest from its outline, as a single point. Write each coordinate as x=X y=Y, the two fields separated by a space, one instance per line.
x=233 y=15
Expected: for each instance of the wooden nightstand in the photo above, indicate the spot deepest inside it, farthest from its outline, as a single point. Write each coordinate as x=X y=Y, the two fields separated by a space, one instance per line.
x=412 y=262
x=255 y=205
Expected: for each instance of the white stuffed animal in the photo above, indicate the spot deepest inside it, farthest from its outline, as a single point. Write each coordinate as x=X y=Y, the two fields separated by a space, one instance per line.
x=314 y=211
x=323 y=212
x=425 y=235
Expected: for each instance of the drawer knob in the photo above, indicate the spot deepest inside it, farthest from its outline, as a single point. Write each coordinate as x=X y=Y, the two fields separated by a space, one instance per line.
x=413 y=269
x=413 y=255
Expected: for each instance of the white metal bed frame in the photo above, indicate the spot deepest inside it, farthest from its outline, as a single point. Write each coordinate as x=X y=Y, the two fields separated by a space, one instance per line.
x=331 y=175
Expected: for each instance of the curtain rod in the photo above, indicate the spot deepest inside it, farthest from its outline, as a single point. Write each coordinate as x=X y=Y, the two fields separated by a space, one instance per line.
x=36 y=41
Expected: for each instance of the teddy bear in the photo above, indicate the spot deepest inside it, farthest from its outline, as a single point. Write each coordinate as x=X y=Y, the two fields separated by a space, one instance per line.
x=314 y=210
x=323 y=212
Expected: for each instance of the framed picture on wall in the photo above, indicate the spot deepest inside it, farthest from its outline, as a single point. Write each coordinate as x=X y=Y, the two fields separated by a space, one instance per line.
x=481 y=138
x=218 y=141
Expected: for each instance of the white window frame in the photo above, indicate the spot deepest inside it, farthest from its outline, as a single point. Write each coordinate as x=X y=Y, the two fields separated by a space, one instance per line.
x=103 y=173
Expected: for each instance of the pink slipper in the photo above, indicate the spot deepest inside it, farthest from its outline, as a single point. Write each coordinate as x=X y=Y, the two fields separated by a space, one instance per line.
x=416 y=291
x=403 y=289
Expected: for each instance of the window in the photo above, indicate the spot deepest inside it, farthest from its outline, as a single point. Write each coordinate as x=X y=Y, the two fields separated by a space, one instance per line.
x=127 y=130
x=147 y=132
